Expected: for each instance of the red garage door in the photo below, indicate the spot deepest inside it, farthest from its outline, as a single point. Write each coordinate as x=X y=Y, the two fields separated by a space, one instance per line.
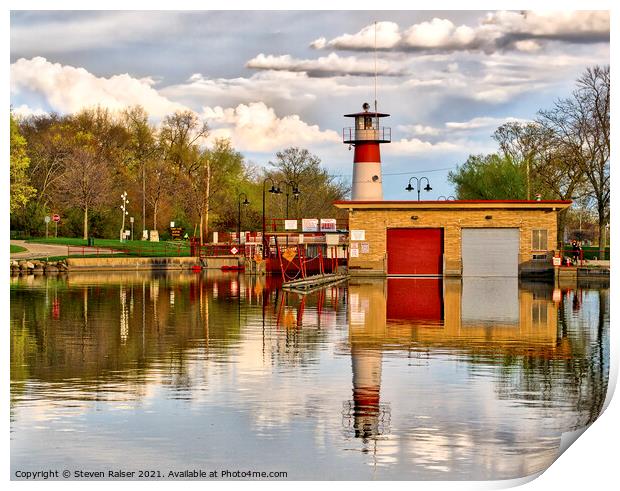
x=415 y=251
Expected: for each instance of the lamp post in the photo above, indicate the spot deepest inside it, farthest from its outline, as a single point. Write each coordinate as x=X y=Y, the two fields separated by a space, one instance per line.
x=418 y=184
x=274 y=190
x=294 y=191
x=239 y=203
x=124 y=211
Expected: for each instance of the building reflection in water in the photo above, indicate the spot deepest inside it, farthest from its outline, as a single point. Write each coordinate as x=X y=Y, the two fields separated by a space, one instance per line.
x=495 y=324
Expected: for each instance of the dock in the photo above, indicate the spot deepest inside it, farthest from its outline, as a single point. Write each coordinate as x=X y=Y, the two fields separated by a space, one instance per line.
x=311 y=283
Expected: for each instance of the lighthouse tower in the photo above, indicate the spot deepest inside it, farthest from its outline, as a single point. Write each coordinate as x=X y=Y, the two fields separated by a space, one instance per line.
x=365 y=137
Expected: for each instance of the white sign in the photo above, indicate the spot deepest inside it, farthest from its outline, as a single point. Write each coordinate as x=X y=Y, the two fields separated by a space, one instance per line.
x=358 y=234
x=310 y=225
x=332 y=239
x=145 y=235
x=171 y=224
x=328 y=224
x=234 y=250
x=290 y=224
x=215 y=237
x=47 y=219
x=355 y=253
x=154 y=236
x=557 y=261
x=365 y=248
x=301 y=239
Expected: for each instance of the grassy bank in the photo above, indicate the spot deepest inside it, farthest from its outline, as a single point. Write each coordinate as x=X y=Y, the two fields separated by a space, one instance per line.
x=130 y=248
x=16 y=248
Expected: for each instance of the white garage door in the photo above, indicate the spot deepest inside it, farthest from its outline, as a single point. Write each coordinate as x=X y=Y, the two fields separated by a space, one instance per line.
x=490 y=251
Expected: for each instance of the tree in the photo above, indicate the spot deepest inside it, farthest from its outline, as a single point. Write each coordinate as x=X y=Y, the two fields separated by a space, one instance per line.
x=179 y=139
x=580 y=126
x=21 y=190
x=520 y=142
x=142 y=151
x=490 y=176
x=318 y=190
x=86 y=181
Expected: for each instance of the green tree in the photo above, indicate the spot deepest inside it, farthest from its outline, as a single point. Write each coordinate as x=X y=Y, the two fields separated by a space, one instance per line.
x=490 y=176
x=21 y=190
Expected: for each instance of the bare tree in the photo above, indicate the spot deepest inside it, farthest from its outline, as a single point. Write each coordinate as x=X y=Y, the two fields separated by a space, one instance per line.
x=580 y=127
x=86 y=182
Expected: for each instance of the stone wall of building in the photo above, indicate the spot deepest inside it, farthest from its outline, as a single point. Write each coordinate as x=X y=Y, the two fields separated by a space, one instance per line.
x=375 y=222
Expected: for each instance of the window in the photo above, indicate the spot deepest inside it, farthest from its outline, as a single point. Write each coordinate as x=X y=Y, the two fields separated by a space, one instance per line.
x=539 y=240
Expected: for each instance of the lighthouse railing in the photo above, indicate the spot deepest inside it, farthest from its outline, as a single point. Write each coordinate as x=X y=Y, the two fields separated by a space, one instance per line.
x=353 y=134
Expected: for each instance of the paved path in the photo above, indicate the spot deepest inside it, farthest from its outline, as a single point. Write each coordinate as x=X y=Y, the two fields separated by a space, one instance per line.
x=37 y=250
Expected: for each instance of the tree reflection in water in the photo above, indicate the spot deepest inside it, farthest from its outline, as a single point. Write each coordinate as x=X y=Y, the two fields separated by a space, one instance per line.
x=429 y=378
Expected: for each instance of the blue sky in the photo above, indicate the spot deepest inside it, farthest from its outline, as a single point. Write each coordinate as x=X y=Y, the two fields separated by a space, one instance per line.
x=272 y=79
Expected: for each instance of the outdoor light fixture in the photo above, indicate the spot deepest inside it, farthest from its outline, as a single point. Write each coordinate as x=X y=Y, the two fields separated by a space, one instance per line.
x=414 y=217
x=274 y=190
x=488 y=217
x=375 y=178
x=239 y=203
x=418 y=185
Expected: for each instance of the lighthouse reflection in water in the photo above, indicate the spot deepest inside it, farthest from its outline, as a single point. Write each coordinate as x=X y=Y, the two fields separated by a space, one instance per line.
x=378 y=378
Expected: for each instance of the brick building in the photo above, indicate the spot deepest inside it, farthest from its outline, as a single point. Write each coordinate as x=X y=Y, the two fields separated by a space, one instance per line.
x=450 y=238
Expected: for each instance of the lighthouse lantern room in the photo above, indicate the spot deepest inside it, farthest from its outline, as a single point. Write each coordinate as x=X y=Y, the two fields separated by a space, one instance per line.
x=365 y=137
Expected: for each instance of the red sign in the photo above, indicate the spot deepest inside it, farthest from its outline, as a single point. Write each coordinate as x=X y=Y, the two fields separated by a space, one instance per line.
x=56 y=217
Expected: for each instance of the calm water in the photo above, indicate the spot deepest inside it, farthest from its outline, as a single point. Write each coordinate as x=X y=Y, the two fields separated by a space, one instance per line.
x=381 y=379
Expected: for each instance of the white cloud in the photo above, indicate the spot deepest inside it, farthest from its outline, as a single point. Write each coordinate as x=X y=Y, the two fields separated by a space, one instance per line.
x=496 y=31
x=553 y=24
x=438 y=33
x=23 y=111
x=387 y=36
x=324 y=66
x=256 y=127
x=528 y=45
x=419 y=129
x=68 y=89
x=481 y=122
x=416 y=146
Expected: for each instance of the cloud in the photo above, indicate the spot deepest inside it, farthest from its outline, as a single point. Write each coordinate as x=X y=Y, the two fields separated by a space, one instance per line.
x=256 y=127
x=68 y=89
x=438 y=33
x=504 y=30
x=411 y=146
x=331 y=65
x=419 y=129
x=23 y=111
x=482 y=122
x=387 y=36
x=86 y=32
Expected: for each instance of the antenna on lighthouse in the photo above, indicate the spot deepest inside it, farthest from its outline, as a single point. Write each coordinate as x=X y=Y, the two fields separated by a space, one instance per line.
x=376 y=112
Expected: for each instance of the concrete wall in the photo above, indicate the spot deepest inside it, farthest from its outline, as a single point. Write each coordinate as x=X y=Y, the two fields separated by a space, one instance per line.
x=376 y=221
x=131 y=263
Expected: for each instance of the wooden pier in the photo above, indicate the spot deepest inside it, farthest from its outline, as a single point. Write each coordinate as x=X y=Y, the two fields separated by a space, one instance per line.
x=314 y=282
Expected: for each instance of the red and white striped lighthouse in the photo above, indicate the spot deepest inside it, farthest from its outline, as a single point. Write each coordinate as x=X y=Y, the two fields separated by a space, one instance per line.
x=366 y=136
